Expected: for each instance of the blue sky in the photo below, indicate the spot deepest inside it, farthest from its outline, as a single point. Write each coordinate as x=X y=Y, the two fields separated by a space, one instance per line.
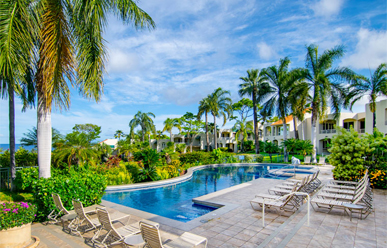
x=204 y=44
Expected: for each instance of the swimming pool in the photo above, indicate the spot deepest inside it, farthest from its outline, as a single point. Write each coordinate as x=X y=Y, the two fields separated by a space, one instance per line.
x=175 y=201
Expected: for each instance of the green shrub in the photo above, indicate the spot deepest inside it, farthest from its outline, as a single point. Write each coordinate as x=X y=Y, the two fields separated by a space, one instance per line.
x=134 y=169
x=223 y=149
x=248 y=159
x=118 y=175
x=16 y=214
x=23 y=158
x=149 y=157
x=259 y=158
x=25 y=178
x=347 y=154
x=197 y=157
x=378 y=178
x=86 y=186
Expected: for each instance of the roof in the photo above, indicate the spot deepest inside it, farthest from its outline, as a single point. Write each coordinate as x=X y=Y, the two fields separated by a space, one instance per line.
x=280 y=122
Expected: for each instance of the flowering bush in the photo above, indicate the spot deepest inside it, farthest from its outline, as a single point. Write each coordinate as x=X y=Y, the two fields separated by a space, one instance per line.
x=378 y=179
x=16 y=214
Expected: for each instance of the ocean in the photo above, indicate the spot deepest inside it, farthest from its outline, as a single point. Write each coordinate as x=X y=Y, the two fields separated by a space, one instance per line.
x=5 y=147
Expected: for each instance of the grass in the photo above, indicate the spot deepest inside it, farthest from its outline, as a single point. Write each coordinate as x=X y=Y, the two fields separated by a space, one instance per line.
x=7 y=196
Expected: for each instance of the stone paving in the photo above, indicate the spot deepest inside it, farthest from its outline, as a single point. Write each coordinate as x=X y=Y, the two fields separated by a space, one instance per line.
x=242 y=226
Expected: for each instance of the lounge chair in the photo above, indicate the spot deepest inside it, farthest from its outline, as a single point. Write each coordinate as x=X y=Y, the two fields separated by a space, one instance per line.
x=151 y=235
x=113 y=235
x=321 y=161
x=288 y=203
x=307 y=160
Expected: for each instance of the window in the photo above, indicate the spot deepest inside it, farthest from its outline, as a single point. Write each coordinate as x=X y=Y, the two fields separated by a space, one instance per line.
x=163 y=145
x=328 y=126
x=348 y=125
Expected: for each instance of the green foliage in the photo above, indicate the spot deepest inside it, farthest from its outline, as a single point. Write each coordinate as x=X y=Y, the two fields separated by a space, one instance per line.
x=113 y=161
x=180 y=148
x=31 y=137
x=85 y=185
x=168 y=171
x=223 y=149
x=197 y=157
x=270 y=148
x=248 y=145
x=347 y=154
x=259 y=158
x=16 y=214
x=7 y=196
x=149 y=157
x=377 y=158
x=378 y=178
x=118 y=175
x=26 y=178
x=90 y=131
x=23 y=158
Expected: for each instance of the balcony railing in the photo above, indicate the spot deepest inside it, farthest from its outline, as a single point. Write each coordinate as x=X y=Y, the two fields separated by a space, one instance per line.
x=328 y=131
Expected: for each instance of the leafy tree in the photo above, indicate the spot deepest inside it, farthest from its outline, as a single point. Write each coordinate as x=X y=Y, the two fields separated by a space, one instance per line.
x=119 y=134
x=242 y=127
x=220 y=105
x=190 y=126
x=325 y=84
x=271 y=148
x=251 y=86
x=243 y=107
x=347 y=153
x=281 y=84
x=374 y=86
x=143 y=120
x=205 y=108
x=159 y=135
x=169 y=124
x=31 y=137
x=91 y=131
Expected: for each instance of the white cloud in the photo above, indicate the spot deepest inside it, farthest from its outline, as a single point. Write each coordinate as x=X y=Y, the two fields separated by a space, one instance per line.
x=370 y=52
x=265 y=51
x=327 y=8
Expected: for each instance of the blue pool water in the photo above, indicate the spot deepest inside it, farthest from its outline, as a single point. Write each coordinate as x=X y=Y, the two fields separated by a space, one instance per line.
x=175 y=201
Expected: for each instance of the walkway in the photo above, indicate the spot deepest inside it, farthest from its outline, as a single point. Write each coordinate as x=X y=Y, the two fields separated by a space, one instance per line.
x=242 y=227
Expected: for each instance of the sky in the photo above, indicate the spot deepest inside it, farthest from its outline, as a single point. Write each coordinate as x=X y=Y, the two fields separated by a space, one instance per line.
x=201 y=45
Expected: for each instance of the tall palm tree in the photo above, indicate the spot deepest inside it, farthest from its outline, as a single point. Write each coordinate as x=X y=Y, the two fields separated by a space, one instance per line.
x=119 y=134
x=325 y=84
x=299 y=99
x=374 y=86
x=251 y=86
x=143 y=120
x=205 y=108
x=71 y=49
x=31 y=137
x=169 y=124
x=280 y=82
x=242 y=127
x=220 y=105
x=17 y=35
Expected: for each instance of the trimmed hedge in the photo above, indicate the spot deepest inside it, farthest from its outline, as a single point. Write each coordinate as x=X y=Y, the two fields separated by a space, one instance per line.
x=85 y=186
x=197 y=157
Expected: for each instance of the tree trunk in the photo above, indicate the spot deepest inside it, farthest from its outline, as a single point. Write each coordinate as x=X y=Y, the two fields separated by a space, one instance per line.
x=150 y=146
x=285 y=138
x=314 y=138
x=255 y=123
x=11 y=100
x=170 y=134
x=215 y=134
x=44 y=136
x=191 y=143
x=373 y=120
x=207 y=136
x=295 y=128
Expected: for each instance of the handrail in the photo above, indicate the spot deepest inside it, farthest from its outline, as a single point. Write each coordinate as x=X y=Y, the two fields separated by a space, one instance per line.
x=281 y=198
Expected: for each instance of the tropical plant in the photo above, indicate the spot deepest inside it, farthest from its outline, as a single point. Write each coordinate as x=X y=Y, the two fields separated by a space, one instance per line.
x=325 y=84
x=251 y=86
x=143 y=120
x=69 y=48
x=31 y=137
x=119 y=134
x=16 y=214
x=205 y=108
x=305 y=147
x=191 y=126
x=220 y=105
x=374 y=86
x=169 y=124
x=149 y=157
x=279 y=83
x=270 y=148
x=242 y=127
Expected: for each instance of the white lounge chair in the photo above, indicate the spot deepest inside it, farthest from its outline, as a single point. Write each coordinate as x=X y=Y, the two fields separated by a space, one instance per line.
x=321 y=161
x=151 y=235
x=307 y=160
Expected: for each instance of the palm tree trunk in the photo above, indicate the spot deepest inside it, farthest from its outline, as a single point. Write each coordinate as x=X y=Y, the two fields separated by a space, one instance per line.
x=285 y=138
x=207 y=136
x=191 y=143
x=44 y=139
x=11 y=100
x=215 y=134
x=295 y=128
x=255 y=123
x=314 y=137
x=170 y=134
x=373 y=120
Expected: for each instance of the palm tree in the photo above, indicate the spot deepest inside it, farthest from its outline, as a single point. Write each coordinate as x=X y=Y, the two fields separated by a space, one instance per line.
x=205 y=108
x=169 y=124
x=17 y=35
x=325 y=84
x=299 y=99
x=251 y=86
x=143 y=120
x=374 y=86
x=242 y=127
x=119 y=134
x=220 y=105
x=31 y=137
x=281 y=82
x=71 y=49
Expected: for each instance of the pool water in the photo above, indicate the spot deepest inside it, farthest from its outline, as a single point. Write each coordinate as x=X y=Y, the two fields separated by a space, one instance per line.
x=175 y=201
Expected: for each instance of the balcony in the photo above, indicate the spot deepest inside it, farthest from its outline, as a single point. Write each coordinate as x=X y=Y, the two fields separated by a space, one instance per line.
x=328 y=131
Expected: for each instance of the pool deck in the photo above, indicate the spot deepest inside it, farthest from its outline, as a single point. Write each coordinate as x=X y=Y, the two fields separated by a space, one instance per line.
x=238 y=225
